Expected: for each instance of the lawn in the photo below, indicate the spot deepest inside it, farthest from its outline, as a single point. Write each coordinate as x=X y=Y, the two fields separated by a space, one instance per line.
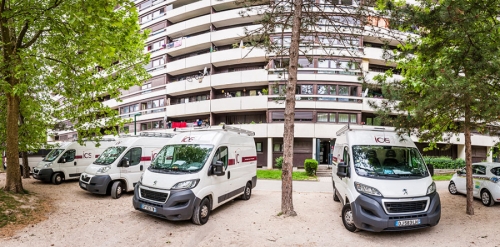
x=443 y=177
x=276 y=175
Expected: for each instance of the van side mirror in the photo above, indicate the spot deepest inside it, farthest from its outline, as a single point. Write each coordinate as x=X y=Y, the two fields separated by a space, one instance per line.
x=342 y=169
x=63 y=160
x=125 y=162
x=218 y=168
x=459 y=172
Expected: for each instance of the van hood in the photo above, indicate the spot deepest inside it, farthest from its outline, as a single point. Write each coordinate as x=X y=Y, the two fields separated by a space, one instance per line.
x=165 y=181
x=41 y=164
x=400 y=187
x=92 y=169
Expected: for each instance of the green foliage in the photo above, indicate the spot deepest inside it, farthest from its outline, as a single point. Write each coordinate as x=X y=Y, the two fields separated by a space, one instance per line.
x=265 y=91
x=191 y=153
x=311 y=166
x=278 y=162
x=446 y=177
x=444 y=162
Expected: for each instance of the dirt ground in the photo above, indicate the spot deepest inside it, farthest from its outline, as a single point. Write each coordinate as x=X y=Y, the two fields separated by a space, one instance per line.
x=83 y=219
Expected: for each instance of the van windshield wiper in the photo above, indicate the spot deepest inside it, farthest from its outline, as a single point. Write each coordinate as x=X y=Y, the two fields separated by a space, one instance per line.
x=389 y=175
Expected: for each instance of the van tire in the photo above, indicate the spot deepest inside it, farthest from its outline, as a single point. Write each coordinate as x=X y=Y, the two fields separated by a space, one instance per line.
x=335 y=196
x=347 y=218
x=116 y=190
x=202 y=212
x=452 y=188
x=57 y=178
x=247 y=192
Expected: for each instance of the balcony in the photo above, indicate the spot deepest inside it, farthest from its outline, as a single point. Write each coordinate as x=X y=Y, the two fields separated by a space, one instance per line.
x=240 y=78
x=338 y=102
x=189 y=11
x=189 y=64
x=189 y=109
x=236 y=104
x=184 y=28
x=188 y=86
x=232 y=56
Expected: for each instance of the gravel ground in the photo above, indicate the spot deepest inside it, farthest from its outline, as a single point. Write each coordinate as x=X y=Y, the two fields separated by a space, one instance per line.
x=83 y=219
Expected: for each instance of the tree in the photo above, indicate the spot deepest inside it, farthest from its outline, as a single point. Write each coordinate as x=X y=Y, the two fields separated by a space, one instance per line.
x=450 y=67
x=58 y=58
x=328 y=30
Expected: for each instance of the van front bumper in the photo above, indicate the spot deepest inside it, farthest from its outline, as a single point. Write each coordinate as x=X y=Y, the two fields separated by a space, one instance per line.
x=369 y=215
x=43 y=174
x=178 y=206
x=96 y=184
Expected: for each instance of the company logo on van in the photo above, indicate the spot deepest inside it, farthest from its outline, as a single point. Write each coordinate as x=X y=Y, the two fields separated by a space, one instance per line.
x=380 y=139
x=405 y=192
x=187 y=139
x=87 y=155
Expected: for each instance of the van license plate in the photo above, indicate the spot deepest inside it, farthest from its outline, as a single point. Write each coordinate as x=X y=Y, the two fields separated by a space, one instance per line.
x=83 y=185
x=149 y=208
x=400 y=223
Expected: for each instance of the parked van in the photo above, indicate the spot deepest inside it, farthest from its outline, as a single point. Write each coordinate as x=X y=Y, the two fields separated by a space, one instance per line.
x=120 y=167
x=382 y=181
x=199 y=170
x=69 y=160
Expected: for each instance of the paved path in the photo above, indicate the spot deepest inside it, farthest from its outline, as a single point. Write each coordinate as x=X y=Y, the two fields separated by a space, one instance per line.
x=323 y=185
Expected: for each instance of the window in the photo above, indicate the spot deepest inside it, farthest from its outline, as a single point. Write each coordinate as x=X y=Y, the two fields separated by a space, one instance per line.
x=68 y=156
x=496 y=171
x=327 y=90
x=278 y=147
x=133 y=156
x=221 y=155
x=258 y=146
x=300 y=116
x=304 y=89
x=146 y=88
x=347 y=118
x=305 y=63
x=478 y=170
x=326 y=117
x=279 y=89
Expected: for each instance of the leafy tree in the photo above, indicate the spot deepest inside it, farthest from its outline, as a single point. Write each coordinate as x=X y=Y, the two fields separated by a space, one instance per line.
x=331 y=29
x=58 y=58
x=450 y=63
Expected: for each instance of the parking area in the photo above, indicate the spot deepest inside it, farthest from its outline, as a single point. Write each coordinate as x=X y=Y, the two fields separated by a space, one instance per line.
x=83 y=219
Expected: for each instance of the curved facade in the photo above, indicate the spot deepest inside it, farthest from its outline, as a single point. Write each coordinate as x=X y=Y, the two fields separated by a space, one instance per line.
x=200 y=71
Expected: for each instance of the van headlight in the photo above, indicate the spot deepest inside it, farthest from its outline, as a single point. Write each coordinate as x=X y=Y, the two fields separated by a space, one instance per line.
x=103 y=169
x=48 y=165
x=188 y=184
x=432 y=188
x=365 y=189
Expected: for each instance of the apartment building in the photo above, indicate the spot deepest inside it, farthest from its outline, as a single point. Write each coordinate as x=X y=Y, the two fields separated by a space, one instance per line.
x=202 y=71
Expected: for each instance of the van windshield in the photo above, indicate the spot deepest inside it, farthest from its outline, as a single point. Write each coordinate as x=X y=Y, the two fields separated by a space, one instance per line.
x=109 y=155
x=388 y=161
x=52 y=155
x=181 y=158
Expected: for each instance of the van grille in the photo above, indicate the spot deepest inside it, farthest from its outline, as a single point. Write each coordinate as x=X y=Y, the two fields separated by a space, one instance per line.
x=154 y=195
x=405 y=207
x=85 y=178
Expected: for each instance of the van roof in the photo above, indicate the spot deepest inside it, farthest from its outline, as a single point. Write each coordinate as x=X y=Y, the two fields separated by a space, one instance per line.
x=212 y=137
x=142 y=141
x=380 y=138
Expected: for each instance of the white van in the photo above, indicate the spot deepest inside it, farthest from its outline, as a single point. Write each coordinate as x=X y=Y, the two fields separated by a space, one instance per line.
x=198 y=171
x=382 y=181
x=120 y=167
x=69 y=160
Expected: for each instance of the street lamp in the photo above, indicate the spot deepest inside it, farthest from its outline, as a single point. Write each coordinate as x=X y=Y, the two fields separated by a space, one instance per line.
x=135 y=120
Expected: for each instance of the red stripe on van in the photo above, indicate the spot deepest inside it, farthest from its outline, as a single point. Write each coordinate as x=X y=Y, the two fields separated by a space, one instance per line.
x=78 y=156
x=230 y=162
x=96 y=156
x=334 y=159
x=146 y=158
x=249 y=158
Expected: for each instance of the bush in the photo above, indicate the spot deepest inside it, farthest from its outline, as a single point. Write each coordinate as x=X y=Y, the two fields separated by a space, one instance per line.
x=311 y=165
x=278 y=162
x=444 y=162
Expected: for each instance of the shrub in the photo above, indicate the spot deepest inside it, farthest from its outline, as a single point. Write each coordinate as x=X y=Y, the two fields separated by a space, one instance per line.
x=278 y=162
x=311 y=165
x=444 y=162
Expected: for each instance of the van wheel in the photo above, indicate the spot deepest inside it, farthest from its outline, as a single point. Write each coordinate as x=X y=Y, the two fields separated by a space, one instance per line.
x=452 y=188
x=486 y=198
x=247 y=192
x=201 y=212
x=347 y=218
x=116 y=190
x=57 y=178
x=335 y=196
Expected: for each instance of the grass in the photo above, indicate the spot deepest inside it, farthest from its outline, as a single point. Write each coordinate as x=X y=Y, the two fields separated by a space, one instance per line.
x=442 y=177
x=276 y=175
x=10 y=208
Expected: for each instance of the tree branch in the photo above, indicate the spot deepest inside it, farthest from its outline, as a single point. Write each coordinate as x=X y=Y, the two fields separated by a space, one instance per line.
x=21 y=35
x=34 y=39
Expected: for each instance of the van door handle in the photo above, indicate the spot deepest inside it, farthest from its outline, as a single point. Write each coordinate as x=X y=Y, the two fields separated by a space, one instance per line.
x=75 y=163
x=141 y=167
x=228 y=174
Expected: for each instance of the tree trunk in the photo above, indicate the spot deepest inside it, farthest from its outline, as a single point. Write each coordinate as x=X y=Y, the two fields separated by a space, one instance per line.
x=468 y=165
x=26 y=167
x=13 y=182
x=289 y=130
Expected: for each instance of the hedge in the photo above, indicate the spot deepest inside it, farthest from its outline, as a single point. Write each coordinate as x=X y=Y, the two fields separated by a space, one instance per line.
x=311 y=166
x=444 y=162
